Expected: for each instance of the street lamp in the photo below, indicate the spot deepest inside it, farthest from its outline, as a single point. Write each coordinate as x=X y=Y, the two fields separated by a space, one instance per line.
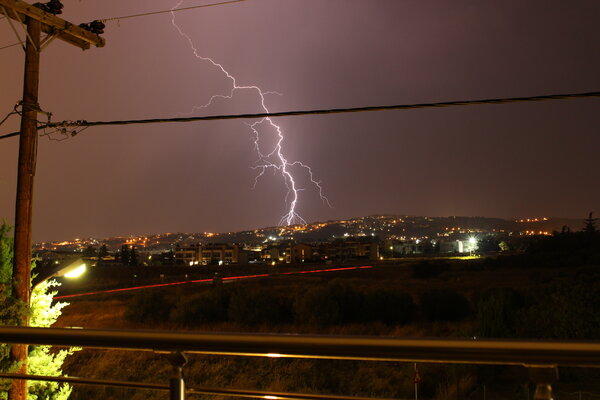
x=74 y=269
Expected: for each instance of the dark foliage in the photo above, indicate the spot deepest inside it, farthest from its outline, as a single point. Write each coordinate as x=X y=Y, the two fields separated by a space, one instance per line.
x=149 y=306
x=316 y=307
x=562 y=310
x=429 y=269
x=205 y=307
x=389 y=307
x=590 y=224
x=567 y=249
x=487 y=244
x=258 y=306
x=335 y=303
x=444 y=305
x=497 y=313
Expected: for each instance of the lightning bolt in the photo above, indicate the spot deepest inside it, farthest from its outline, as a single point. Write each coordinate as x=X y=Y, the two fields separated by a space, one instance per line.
x=269 y=159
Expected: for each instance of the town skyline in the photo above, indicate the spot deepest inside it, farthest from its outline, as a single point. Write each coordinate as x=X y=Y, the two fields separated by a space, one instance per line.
x=375 y=224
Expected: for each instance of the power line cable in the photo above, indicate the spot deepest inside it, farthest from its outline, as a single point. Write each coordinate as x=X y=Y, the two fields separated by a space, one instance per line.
x=7 y=117
x=169 y=11
x=505 y=100
x=10 y=45
x=13 y=112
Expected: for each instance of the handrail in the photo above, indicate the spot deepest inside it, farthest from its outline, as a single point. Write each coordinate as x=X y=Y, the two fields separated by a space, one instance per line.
x=463 y=351
x=255 y=394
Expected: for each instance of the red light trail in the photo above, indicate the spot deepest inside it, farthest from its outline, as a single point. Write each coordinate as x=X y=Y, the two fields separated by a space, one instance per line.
x=226 y=278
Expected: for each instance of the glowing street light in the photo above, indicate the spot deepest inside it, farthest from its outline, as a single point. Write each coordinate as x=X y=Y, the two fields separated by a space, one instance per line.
x=76 y=272
x=71 y=271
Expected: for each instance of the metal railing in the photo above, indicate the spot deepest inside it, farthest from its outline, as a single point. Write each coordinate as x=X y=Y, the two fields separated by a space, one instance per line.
x=541 y=357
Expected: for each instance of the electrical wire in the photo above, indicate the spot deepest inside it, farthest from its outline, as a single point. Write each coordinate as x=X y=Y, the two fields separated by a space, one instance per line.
x=146 y=14
x=506 y=100
x=9 y=46
x=13 y=112
x=169 y=11
x=7 y=116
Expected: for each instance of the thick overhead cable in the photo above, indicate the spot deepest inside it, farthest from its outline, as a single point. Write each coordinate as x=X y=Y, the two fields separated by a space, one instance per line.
x=170 y=10
x=82 y=123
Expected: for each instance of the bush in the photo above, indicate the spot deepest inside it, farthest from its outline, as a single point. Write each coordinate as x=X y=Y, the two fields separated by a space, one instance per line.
x=496 y=313
x=206 y=307
x=335 y=303
x=389 y=307
x=562 y=310
x=148 y=306
x=316 y=307
x=444 y=305
x=428 y=269
x=258 y=306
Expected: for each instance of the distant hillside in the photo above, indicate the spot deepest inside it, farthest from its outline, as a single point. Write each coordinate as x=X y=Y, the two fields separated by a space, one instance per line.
x=380 y=226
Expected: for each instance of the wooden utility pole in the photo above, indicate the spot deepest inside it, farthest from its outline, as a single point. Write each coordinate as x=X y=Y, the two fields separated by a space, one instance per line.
x=23 y=207
x=37 y=21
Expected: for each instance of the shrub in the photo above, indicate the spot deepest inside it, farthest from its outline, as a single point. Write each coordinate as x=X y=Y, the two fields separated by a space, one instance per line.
x=335 y=303
x=496 y=313
x=148 y=306
x=316 y=307
x=444 y=305
x=348 y=299
x=389 y=307
x=562 y=310
x=206 y=307
x=258 y=306
x=428 y=269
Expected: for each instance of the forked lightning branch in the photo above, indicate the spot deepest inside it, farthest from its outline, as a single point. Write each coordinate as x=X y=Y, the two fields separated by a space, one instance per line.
x=269 y=157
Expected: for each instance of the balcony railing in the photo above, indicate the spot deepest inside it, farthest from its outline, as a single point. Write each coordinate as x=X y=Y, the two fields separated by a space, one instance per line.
x=541 y=357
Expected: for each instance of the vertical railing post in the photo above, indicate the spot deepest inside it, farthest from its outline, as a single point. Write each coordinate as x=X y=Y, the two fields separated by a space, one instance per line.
x=543 y=377
x=177 y=383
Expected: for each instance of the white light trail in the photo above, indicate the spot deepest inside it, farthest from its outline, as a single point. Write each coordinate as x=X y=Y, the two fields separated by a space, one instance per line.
x=270 y=159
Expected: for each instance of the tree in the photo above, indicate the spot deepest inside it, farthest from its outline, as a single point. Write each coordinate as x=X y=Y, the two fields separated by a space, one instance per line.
x=497 y=312
x=444 y=305
x=590 y=224
x=90 y=251
x=12 y=310
x=388 y=306
x=133 y=257
x=103 y=251
x=41 y=360
x=125 y=255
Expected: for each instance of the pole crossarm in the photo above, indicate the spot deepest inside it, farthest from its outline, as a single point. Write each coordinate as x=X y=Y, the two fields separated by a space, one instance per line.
x=438 y=350
x=54 y=25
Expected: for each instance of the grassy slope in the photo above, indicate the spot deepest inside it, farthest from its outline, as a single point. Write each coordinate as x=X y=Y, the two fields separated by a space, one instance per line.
x=367 y=379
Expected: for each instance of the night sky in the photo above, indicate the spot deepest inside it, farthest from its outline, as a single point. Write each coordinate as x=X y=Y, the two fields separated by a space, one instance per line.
x=521 y=160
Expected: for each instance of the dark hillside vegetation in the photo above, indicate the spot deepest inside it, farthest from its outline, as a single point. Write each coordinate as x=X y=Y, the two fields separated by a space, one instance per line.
x=473 y=298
